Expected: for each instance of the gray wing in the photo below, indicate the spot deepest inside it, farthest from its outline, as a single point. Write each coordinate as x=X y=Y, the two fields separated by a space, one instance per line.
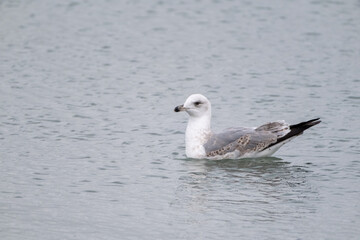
x=245 y=140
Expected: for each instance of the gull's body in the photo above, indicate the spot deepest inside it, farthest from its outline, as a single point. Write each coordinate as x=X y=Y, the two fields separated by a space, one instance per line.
x=233 y=143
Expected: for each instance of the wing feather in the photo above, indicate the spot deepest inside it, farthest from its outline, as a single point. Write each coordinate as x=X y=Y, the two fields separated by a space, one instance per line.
x=249 y=140
x=243 y=140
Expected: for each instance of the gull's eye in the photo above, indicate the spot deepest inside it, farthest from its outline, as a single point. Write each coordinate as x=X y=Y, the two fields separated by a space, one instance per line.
x=197 y=103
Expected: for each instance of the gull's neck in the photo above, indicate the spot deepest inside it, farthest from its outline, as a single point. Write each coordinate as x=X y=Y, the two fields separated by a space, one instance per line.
x=197 y=132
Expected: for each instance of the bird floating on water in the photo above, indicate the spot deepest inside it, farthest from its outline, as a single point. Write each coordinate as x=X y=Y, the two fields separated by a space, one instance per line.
x=233 y=143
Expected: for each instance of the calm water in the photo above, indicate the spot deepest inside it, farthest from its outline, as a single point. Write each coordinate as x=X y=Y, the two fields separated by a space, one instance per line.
x=90 y=147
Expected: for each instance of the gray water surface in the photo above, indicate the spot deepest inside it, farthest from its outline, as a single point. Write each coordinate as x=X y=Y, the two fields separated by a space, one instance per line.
x=90 y=147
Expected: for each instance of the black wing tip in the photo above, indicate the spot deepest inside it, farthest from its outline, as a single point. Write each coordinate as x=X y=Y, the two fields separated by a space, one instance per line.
x=297 y=129
x=313 y=122
x=306 y=124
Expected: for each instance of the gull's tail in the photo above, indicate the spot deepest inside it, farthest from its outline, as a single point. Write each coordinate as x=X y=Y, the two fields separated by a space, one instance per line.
x=297 y=129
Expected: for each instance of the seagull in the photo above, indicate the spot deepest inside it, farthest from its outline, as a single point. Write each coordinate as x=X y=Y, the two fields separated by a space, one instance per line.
x=233 y=143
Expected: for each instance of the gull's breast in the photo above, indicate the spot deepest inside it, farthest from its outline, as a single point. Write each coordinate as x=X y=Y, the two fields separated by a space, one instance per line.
x=195 y=144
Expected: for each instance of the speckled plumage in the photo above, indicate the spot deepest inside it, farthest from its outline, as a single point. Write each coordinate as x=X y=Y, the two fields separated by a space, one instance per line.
x=233 y=143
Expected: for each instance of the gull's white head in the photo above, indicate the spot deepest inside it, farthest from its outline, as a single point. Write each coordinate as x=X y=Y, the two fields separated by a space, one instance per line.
x=196 y=105
x=198 y=128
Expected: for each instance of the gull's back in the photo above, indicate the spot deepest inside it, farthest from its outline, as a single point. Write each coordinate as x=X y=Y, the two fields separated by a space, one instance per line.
x=239 y=142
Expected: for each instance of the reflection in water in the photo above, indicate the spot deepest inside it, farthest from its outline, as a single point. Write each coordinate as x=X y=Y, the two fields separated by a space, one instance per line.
x=261 y=188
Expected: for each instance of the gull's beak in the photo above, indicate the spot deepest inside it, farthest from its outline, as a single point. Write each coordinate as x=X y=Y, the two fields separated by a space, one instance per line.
x=179 y=108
